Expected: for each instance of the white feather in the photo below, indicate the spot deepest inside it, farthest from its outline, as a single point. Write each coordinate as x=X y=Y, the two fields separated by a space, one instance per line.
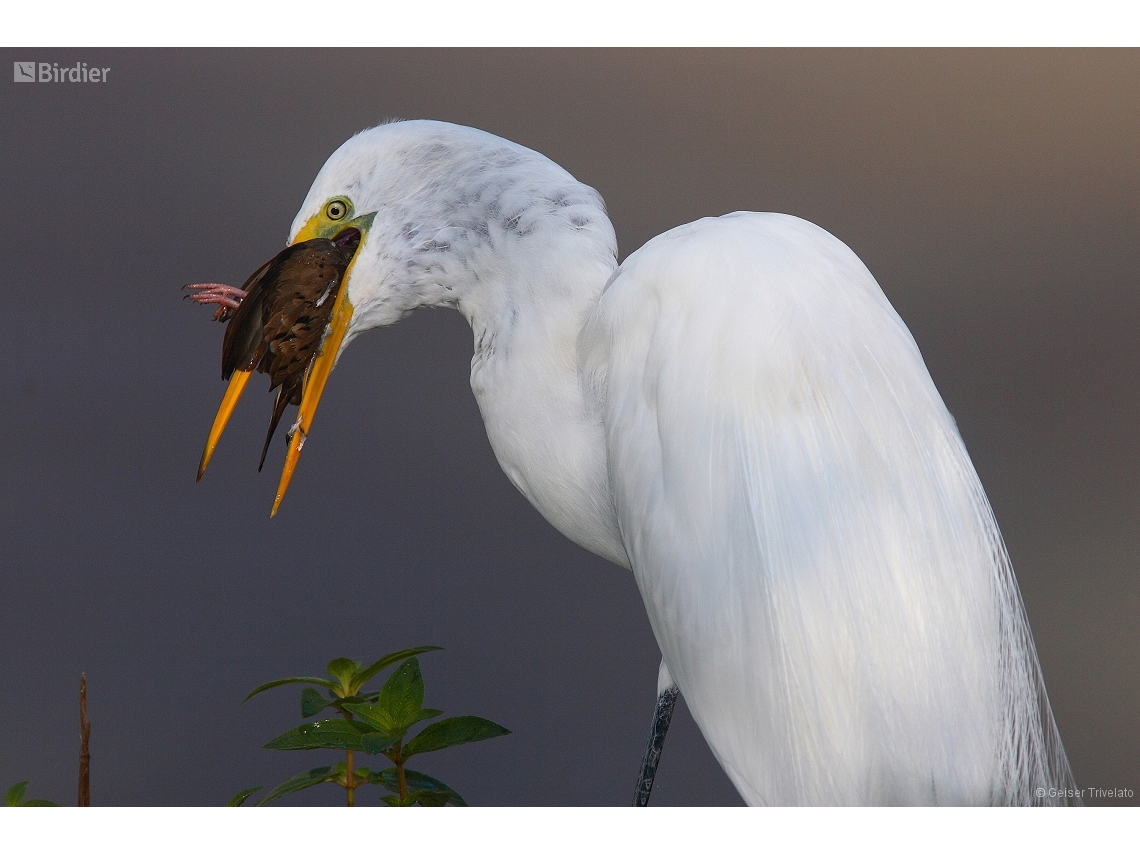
x=820 y=565
x=739 y=416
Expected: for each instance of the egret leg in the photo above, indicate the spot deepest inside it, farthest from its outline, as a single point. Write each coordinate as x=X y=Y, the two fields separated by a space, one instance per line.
x=667 y=692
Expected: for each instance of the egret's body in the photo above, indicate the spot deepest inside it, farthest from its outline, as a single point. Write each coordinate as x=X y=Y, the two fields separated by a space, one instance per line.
x=737 y=415
x=819 y=562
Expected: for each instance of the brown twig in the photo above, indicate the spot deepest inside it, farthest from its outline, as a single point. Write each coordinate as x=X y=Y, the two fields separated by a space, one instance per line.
x=84 y=746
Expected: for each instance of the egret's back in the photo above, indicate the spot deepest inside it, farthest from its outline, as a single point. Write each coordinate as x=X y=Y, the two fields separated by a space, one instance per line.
x=821 y=567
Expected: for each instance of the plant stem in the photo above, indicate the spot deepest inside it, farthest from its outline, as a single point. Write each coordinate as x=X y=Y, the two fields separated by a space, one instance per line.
x=396 y=755
x=84 y=746
x=349 y=774
x=350 y=779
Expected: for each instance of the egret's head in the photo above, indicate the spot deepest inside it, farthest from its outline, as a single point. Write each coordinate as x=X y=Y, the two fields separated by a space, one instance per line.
x=431 y=213
x=410 y=201
x=441 y=207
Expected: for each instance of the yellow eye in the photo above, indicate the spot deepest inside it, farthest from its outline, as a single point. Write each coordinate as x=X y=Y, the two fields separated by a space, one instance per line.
x=336 y=209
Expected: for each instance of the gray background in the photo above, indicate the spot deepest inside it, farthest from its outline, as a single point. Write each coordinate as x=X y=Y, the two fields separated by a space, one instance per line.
x=994 y=194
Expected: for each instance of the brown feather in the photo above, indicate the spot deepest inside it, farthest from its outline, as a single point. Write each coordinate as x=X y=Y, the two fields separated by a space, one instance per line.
x=243 y=332
x=278 y=327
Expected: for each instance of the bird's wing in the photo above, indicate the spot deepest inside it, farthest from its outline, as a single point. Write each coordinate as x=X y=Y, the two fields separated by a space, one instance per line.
x=819 y=562
x=242 y=343
x=304 y=288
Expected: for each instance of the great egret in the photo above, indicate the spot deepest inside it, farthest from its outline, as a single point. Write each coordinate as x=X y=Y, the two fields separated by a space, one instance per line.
x=736 y=414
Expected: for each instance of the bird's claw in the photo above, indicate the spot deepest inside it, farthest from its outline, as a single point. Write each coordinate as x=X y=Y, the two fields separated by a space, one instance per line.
x=226 y=297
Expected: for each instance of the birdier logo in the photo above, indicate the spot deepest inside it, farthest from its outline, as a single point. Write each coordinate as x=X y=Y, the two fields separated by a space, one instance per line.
x=51 y=72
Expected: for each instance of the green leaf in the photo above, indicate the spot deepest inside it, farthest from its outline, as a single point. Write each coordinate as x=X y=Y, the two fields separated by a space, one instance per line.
x=387 y=779
x=239 y=799
x=362 y=774
x=15 y=794
x=329 y=733
x=344 y=670
x=453 y=731
x=430 y=798
x=375 y=718
x=339 y=774
x=369 y=715
x=273 y=684
x=422 y=788
x=38 y=803
x=338 y=703
x=379 y=665
x=298 y=782
x=377 y=743
x=421 y=783
x=402 y=697
x=312 y=702
x=396 y=801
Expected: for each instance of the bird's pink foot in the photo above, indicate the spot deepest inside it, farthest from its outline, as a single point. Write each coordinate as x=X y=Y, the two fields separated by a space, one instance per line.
x=226 y=297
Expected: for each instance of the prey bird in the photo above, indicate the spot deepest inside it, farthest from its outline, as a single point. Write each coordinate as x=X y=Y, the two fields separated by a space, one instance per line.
x=276 y=323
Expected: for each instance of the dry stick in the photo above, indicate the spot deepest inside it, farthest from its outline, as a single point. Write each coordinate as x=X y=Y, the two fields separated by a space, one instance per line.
x=84 y=746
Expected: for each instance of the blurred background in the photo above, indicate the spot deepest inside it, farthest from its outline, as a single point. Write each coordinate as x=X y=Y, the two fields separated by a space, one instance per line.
x=994 y=194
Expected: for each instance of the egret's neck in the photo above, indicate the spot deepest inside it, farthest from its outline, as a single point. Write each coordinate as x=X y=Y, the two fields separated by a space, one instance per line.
x=464 y=219
x=526 y=318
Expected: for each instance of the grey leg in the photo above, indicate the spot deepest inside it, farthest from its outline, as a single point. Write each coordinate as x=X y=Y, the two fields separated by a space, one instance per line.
x=667 y=692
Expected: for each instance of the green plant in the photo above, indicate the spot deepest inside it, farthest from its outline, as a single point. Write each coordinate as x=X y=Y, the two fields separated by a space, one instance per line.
x=15 y=797
x=374 y=723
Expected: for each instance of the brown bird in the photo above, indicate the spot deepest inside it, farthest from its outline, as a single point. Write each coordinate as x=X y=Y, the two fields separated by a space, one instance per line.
x=277 y=323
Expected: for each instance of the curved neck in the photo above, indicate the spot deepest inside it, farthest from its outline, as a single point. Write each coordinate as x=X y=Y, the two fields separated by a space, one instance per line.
x=524 y=374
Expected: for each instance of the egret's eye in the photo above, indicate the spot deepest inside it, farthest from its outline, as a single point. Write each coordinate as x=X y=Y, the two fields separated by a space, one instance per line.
x=336 y=209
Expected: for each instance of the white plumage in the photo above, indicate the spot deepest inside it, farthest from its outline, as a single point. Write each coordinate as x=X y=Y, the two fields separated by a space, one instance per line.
x=738 y=415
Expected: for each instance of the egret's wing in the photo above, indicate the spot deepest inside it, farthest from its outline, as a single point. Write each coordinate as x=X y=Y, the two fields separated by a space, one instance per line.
x=818 y=559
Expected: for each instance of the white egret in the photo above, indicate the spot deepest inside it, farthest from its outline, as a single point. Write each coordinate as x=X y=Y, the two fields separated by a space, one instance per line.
x=736 y=414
